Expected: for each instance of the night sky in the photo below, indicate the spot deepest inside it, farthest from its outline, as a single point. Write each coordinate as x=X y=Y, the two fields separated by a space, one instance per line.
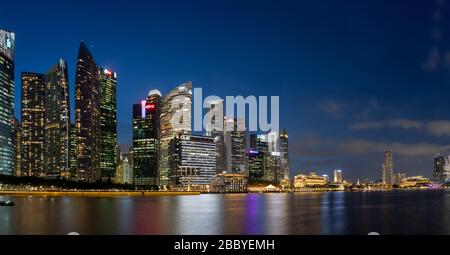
x=354 y=77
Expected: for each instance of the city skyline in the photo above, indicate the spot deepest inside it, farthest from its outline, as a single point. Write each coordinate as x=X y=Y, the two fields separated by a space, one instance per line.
x=359 y=137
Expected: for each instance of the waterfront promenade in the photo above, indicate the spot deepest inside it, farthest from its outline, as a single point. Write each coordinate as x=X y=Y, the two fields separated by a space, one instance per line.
x=97 y=193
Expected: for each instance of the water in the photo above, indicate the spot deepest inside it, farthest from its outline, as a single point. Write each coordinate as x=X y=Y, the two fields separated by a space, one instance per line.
x=406 y=212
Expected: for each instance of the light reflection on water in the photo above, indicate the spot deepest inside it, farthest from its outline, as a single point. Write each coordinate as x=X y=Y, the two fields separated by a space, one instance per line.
x=425 y=212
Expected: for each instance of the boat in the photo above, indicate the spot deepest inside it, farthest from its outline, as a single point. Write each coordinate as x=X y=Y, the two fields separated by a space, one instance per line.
x=7 y=203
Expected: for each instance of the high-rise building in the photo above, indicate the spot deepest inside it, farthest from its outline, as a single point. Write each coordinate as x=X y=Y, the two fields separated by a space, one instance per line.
x=256 y=166
x=57 y=121
x=7 y=51
x=124 y=172
x=33 y=124
x=235 y=141
x=273 y=170
x=388 y=168
x=73 y=151
x=284 y=150
x=338 y=176
x=438 y=169
x=146 y=147
x=175 y=120
x=215 y=129
x=259 y=142
x=108 y=122
x=87 y=116
x=192 y=160
x=398 y=178
x=17 y=146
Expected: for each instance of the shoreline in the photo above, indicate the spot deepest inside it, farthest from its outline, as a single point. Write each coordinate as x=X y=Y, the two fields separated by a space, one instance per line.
x=98 y=193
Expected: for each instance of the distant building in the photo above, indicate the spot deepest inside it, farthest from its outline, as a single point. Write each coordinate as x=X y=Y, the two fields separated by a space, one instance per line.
x=87 y=116
x=108 y=122
x=215 y=128
x=192 y=160
x=57 y=121
x=17 y=146
x=235 y=141
x=146 y=137
x=398 y=178
x=388 y=168
x=256 y=166
x=439 y=174
x=326 y=177
x=415 y=182
x=311 y=180
x=273 y=170
x=33 y=124
x=284 y=149
x=338 y=176
x=73 y=151
x=124 y=171
x=229 y=183
x=175 y=104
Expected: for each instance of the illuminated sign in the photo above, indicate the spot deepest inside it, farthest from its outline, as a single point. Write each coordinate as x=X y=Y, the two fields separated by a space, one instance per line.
x=150 y=106
x=8 y=43
x=143 y=102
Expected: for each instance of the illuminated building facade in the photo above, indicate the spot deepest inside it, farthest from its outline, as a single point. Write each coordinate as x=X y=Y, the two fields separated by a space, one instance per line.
x=215 y=129
x=73 y=151
x=108 y=123
x=17 y=146
x=7 y=51
x=33 y=124
x=338 y=176
x=87 y=116
x=57 y=121
x=284 y=150
x=388 y=168
x=193 y=160
x=256 y=165
x=311 y=180
x=124 y=172
x=438 y=169
x=146 y=133
x=229 y=183
x=235 y=142
x=175 y=120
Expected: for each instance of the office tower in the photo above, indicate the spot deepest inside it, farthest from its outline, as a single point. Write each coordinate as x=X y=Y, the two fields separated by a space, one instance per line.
x=255 y=165
x=17 y=141
x=326 y=177
x=235 y=142
x=146 y=133
x=284 y=150
x=273 y=141
x=338 y=176
x=438 y=169
x=57 y=121
x=215 y=129
x=388 y=172
x=73 y=151
x=124 y=173
x=87 y=116
x=175 y=120
x=273 y=171
x=108 y=123
x=7 y=50
x=33 y=124
x=192 y=160
x=259 y=142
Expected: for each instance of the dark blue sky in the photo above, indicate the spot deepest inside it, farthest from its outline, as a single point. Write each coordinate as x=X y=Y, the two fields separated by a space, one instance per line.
x=354 y=77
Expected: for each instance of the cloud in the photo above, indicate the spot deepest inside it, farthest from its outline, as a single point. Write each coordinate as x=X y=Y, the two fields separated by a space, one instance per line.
x=432 y=62
x=405 y=124
x=368 y=125
x=331 y=107
x=439 y=128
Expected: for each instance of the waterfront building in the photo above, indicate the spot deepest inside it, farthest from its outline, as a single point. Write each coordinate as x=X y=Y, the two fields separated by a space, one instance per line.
x=284 y=149
x=438 y=169
x=256 y=166
x=146 y=140
x=398 y=178
x=235 y=142
x=415 y=182
x=388 y=168
x=175 y=120
x=33 y=124
x=273 y=141
x=17 y=141
x=7 y=51
x=311 y=180
x=273 y=170
x=57 y=121
x=192 y=161
x=327 y=178
x=338 y=176
x=87 y=116
x=259 y=142
x=108 y=123
x=229 y=183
